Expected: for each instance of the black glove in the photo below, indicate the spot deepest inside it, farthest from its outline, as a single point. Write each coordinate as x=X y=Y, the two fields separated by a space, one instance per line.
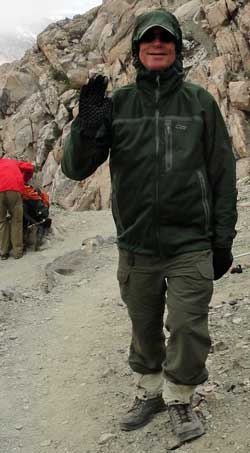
x=222 y=260
x=94 y=106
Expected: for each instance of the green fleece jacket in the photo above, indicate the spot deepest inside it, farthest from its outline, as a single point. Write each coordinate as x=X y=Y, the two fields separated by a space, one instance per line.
x=171 y=161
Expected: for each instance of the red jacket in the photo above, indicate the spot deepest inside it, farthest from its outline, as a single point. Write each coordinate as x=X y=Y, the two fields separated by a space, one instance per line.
x=13 y=174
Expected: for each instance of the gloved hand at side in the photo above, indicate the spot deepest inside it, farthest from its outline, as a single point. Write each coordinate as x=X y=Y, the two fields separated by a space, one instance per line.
x=94 y=106
x=222 y=260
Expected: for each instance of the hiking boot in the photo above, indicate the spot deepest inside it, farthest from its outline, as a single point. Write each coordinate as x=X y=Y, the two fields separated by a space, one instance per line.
x=17 y=256
x=4 y=257
x=185 y=422
x=142 y=412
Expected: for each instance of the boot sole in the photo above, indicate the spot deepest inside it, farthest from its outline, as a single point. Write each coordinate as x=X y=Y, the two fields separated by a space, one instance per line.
x=192 y=434
x=127 y=427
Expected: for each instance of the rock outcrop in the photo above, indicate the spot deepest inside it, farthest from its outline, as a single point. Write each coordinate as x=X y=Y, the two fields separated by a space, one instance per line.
x=39 y=93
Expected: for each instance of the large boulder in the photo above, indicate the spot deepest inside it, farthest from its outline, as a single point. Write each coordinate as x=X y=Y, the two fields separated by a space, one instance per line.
x=240 y=131
x=239 y=93
x=15 y=87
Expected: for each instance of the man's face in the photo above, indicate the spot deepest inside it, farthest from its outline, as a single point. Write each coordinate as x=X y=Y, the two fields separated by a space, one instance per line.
x=157 y=49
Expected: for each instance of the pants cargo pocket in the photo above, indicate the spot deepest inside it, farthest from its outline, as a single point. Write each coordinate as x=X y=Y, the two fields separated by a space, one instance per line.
x=204 y=283
x=123 y=279
x=206 y=270
x=191 y=287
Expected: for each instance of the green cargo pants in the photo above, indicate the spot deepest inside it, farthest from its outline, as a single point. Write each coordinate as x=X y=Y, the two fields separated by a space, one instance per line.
x=11 y=232
x=185 y=284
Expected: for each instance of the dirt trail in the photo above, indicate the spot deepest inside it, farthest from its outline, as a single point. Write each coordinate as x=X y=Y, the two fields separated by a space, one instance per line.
x=64 y=376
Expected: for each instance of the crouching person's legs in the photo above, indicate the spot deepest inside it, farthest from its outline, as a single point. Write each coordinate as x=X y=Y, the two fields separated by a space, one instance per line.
x=190 y=286
x=143 y=290
x=15 y=203
x=4 y=227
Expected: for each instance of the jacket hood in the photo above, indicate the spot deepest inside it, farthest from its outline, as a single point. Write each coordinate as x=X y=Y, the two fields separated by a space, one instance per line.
x=160 y=18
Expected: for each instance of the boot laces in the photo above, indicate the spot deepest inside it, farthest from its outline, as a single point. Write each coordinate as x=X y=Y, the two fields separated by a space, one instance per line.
x=137 y=404
x=182 y=413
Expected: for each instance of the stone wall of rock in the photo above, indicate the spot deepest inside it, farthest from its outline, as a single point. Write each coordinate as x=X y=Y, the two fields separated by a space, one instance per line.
x=226 y=75
x=39 y=93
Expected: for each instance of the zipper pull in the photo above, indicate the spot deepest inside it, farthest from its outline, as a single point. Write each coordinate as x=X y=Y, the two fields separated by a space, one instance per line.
x=168 y=126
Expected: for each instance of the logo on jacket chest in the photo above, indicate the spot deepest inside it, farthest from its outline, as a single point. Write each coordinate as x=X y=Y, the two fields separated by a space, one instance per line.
x=181 y=127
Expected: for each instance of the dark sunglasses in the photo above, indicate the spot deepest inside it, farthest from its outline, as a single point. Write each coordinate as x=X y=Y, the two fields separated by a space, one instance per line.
x=163 y=35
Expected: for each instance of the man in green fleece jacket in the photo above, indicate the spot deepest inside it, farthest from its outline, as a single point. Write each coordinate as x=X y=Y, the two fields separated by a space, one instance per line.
x=174 y=206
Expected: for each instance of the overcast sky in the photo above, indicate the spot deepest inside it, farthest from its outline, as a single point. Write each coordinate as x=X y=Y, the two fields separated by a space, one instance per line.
x=18 y=12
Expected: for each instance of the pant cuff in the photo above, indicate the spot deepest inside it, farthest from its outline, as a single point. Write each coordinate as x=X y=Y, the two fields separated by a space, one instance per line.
x=149 y=386
x=178 y=393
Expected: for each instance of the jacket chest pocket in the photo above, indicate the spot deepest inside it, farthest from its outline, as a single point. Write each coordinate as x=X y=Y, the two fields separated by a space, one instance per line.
x=168 y=137
x=181 y=142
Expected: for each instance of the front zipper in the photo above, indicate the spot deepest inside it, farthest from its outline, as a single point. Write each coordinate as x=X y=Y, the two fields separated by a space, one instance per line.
x=168 y=147
x=204 y=198
x=157 y=115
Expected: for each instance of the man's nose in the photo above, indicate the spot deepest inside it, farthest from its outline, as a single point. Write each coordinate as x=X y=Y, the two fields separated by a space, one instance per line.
x=157 y=39
x=157 y=42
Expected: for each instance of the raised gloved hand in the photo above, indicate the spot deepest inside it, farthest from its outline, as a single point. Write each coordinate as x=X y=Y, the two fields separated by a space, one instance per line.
x=94 y=106
x=222 y=260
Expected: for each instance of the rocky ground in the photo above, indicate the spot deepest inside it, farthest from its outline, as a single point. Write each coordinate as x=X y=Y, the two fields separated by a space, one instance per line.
x=64 y=336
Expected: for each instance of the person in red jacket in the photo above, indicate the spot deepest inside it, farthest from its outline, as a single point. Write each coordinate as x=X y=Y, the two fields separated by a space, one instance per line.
x=13 y=175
